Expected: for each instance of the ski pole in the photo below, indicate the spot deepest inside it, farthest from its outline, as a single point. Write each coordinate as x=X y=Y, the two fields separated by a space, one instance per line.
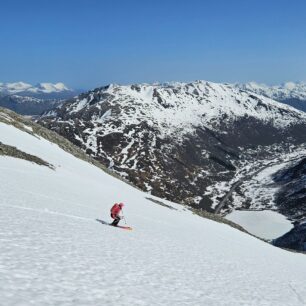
x=123 y=217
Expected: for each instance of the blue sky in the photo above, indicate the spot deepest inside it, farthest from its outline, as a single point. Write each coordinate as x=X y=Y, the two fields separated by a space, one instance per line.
x=88 y=43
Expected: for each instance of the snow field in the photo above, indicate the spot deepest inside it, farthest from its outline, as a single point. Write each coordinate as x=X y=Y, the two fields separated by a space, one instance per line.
x=266 y=224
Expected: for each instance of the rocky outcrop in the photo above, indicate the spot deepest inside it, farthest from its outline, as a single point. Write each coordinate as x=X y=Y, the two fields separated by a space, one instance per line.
x=291 y=197
x=295 y=239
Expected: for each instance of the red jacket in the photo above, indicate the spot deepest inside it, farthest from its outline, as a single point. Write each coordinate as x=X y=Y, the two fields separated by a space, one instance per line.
x=115 y=210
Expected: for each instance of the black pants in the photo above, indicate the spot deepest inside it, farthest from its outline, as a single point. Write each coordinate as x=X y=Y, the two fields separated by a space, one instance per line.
x=116 y=220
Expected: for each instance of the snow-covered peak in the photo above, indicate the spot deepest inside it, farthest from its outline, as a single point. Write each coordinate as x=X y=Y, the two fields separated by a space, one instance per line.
x=290 y=85
x=49 y=87
x=14 y=87
x=21 y=87
x=288 y=90
x=178 y=108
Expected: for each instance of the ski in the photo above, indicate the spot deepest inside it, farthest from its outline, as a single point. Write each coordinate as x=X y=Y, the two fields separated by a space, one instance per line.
x=119 y=226
x=124 y=227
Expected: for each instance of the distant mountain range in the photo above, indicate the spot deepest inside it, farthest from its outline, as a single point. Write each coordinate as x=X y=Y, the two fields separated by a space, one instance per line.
x=40 y=88
x=48 y=95
x=30 y=99
x=290 y=93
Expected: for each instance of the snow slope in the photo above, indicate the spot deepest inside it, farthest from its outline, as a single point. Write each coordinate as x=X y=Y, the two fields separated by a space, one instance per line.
x=54 y=252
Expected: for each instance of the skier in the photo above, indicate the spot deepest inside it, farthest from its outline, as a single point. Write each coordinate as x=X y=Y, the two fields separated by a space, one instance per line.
x=115 y=213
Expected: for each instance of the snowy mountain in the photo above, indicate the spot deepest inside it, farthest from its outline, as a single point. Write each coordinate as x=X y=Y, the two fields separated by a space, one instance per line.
x=27 y=99
x=186 y=142
x=54 y=252
x=291 y=93
x=49 y=87
x=40 y=88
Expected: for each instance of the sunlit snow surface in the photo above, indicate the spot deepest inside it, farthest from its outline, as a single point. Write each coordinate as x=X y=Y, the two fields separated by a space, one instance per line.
x=53 y=252
x=265 y=224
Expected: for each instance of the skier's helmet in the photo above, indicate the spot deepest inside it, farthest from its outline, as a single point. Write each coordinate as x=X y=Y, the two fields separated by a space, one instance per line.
x=121 y=205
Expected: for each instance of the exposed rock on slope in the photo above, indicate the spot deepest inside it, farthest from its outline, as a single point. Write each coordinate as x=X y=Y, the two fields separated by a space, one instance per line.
x=291 y=196
x=295 y=239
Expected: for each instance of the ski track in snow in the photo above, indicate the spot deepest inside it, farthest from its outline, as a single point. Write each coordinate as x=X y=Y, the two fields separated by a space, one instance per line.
x=53 y=252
